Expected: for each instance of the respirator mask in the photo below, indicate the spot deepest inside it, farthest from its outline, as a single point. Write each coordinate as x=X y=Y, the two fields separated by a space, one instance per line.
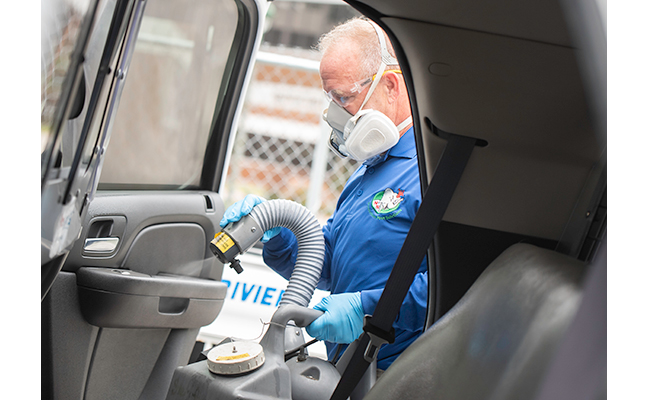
x=369 y=132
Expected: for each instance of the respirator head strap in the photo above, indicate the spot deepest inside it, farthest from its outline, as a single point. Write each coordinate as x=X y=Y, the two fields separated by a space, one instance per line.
x=387 y=58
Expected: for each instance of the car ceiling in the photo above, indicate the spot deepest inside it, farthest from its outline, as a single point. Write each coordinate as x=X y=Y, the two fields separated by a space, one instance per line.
x=505 y=72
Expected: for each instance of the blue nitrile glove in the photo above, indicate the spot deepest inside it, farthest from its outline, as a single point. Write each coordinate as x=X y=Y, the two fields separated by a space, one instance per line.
x=342 y=320
x=242 y=208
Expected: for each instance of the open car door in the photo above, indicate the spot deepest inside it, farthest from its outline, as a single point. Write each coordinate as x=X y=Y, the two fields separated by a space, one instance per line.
x=127 y=279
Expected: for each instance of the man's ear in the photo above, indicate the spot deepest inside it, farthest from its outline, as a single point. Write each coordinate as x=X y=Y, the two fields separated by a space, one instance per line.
x=393 y=85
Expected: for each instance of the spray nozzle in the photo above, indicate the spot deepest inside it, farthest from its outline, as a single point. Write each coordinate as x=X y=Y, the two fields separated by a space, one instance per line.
x=234 y=239
x=236 y=264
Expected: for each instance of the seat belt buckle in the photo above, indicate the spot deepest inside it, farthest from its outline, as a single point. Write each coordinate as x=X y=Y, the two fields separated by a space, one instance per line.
x=377 y=337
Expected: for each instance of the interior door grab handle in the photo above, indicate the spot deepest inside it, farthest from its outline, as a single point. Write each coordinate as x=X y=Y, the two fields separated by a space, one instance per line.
x=101 y=245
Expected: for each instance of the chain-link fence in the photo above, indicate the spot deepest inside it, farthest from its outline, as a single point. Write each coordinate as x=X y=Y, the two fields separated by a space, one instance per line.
x=280 y=149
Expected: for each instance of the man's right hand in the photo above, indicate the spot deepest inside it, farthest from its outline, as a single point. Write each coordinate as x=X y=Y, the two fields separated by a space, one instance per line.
x=242 y=208
x=342 y=320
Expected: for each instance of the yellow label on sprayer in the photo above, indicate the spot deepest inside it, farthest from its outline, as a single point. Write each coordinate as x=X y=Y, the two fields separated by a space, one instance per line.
x=236 y=357
x=223 y=242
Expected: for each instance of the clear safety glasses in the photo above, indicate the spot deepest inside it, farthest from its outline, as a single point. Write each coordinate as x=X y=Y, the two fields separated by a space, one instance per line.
x=345 y=97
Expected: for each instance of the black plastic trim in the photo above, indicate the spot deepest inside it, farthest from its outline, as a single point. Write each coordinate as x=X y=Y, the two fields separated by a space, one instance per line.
x=71 y=86
x=231 y=90
x=463 y=252
x=116 y=33
x=49 y=271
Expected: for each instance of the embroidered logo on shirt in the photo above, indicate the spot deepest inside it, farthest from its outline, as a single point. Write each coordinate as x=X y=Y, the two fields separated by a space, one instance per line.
x=385 y=204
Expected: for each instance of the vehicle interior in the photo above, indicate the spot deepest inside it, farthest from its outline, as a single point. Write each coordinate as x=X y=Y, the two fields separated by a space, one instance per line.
x=519 y=79
x=517 y=267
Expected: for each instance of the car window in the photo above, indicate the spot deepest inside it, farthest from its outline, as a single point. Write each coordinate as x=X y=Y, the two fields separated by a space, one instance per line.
x=170 y=95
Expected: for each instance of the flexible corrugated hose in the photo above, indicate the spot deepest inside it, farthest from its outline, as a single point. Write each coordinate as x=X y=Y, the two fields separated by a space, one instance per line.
x=310 y=242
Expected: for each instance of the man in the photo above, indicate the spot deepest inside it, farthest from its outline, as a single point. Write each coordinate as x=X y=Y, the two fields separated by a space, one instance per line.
x=371 y=119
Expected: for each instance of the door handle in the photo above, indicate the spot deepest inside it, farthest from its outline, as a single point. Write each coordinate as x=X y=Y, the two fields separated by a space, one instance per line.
x=101 y=245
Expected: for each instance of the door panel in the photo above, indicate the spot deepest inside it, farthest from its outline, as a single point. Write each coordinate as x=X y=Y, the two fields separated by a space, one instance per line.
x=156 y=232
x=78 y=59
x=120 y=321
x=137 y=279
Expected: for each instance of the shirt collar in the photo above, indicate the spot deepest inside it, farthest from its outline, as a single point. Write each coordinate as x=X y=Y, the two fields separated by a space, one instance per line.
x=405 y=148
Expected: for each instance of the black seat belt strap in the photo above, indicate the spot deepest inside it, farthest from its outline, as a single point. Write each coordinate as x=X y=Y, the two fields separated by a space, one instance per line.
x=378 y=328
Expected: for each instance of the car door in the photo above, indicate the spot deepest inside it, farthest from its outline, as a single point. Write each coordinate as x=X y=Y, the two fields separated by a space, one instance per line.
x=127 y=277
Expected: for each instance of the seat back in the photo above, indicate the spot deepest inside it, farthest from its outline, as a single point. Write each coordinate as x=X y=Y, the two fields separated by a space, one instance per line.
x=498 y=340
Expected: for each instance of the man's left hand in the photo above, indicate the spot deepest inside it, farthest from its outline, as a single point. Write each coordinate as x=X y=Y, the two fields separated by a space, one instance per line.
x=342 y=320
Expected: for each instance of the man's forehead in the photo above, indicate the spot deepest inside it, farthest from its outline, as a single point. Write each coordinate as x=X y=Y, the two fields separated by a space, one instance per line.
x=338 y=67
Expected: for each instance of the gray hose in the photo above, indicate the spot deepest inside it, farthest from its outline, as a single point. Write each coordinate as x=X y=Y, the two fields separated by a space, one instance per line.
x=310 y=242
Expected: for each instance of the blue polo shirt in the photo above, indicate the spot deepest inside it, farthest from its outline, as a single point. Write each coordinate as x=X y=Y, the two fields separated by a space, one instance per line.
x=363 y=238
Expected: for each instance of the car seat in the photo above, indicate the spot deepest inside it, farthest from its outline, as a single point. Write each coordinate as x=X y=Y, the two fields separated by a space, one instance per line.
x=498 y=341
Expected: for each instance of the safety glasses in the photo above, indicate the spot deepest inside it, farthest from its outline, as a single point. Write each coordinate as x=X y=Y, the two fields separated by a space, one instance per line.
x=346 y=97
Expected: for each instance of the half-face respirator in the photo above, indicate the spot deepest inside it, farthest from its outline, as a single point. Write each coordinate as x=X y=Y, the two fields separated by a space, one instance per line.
x=361 y=136
x=369 y=132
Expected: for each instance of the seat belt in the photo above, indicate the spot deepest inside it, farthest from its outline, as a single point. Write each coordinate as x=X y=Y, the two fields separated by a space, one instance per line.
x=378 y=328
